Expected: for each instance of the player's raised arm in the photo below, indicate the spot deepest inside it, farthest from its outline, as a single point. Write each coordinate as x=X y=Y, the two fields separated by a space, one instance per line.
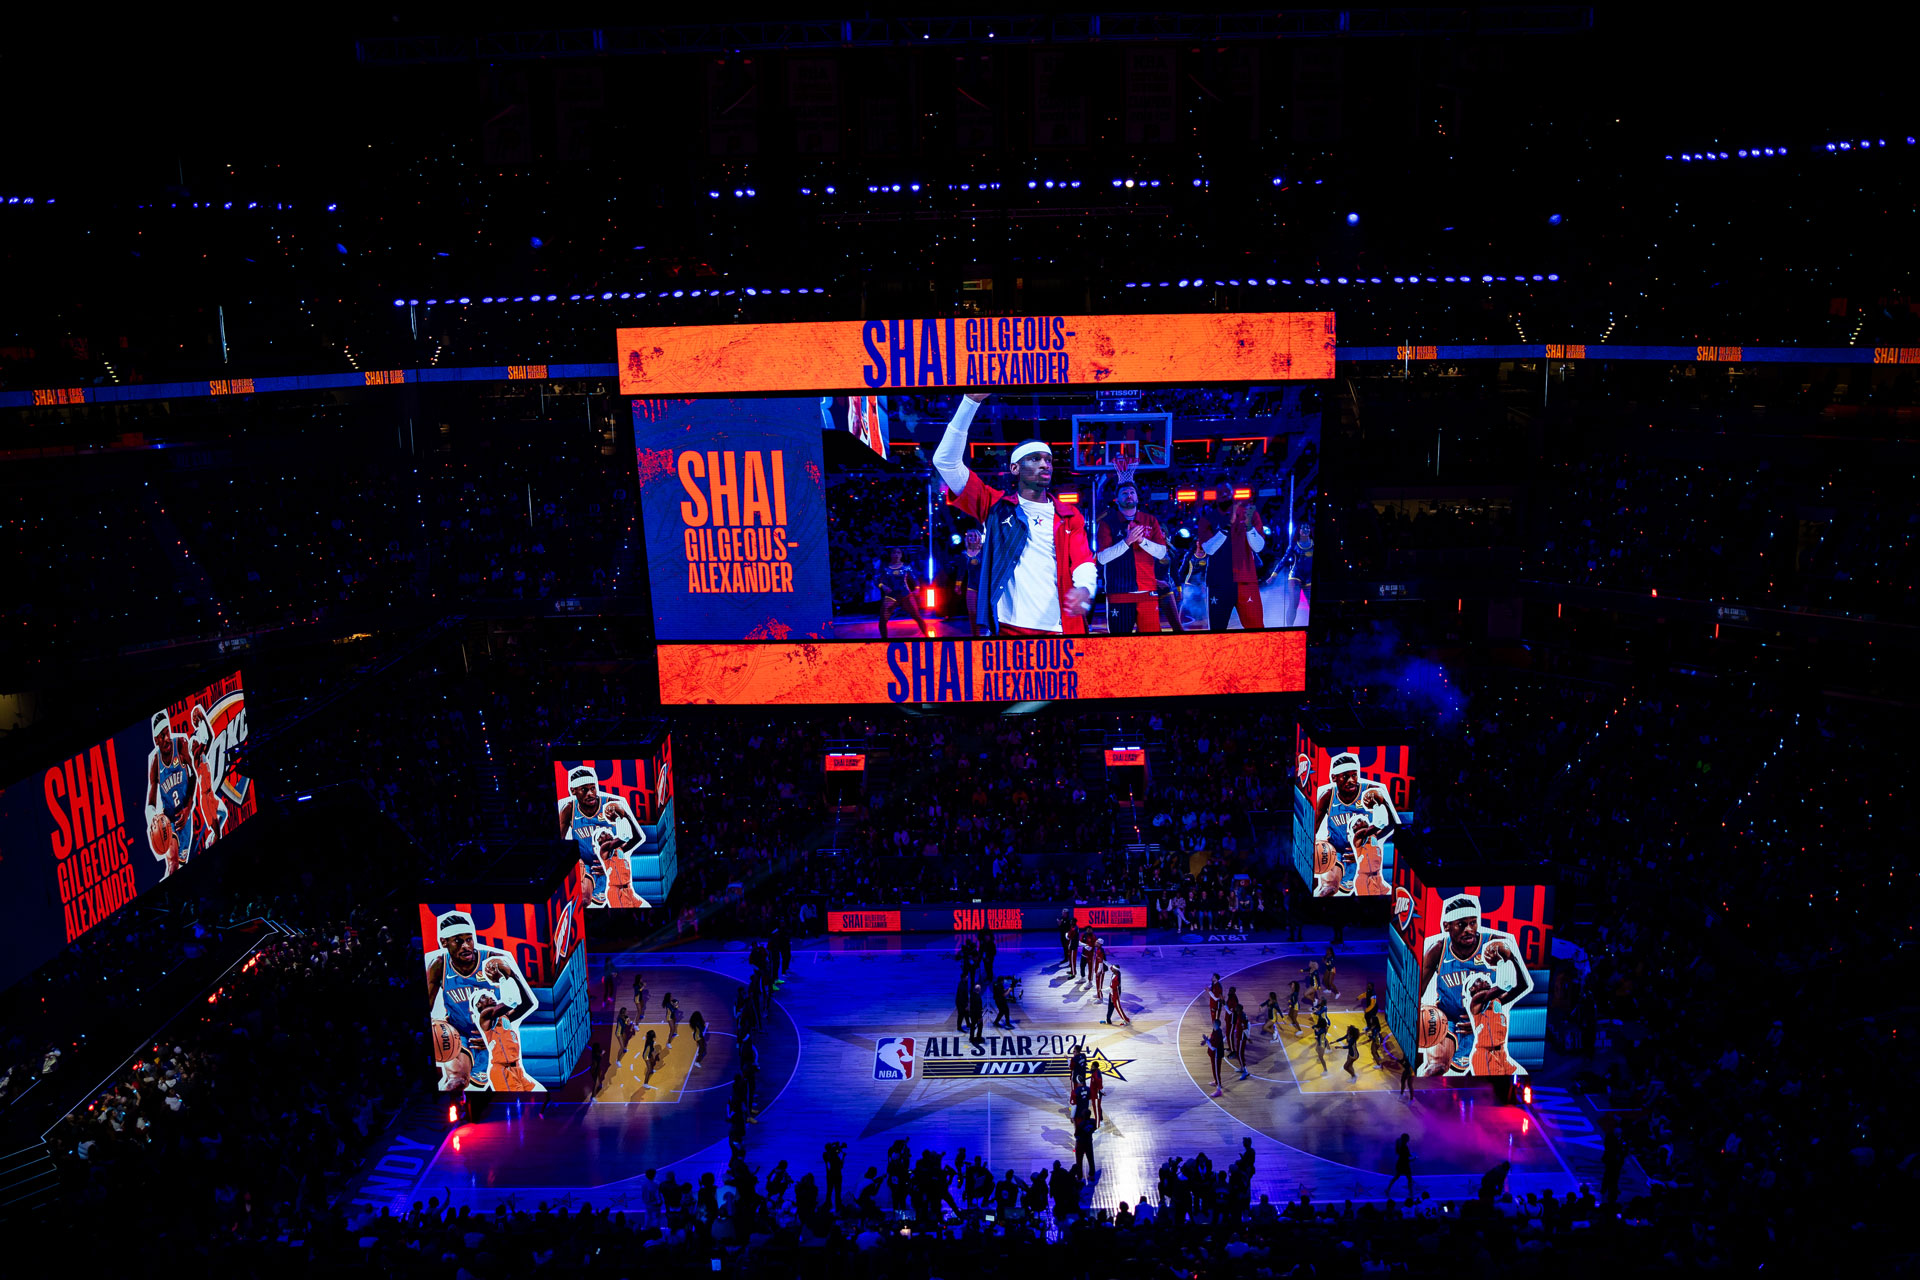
x=635 y=836
x=1376 y=797
x=1508 y=951
x=950 y=456
x=499 y=968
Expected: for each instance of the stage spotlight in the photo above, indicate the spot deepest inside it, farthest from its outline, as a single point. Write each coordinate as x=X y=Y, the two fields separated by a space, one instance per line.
x=1270 y=280
x=1353 y=219
x=413 y=302
x=465 y=301
x=1553 y=219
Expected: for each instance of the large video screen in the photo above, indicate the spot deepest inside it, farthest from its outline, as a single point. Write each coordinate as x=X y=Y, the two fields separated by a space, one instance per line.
x=1348 y=803
x=506 y=990
x=1467 y=975
x=982 y=547
x=86 y=835
x=619 y=814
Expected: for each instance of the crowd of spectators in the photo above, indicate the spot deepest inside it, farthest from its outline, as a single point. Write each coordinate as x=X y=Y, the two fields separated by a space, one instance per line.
x=222 y=1109
x=336 y=523
x=1840 y=536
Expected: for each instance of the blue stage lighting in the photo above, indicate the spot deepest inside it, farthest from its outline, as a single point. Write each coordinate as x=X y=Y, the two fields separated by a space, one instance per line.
x=553 y=297
x=1553 y=219
x=487 y=299
x=1551 y=276
x=413 y=302
x=829 y=190
x=330 y=208
x=627 y=294
x=466 y=301
x=606 y=297
x=1340 y=279
x=1196 y=182
x=1353 y=219
x=1154 y=183
x=399 y=302
x=1270 y=280
x=536 y=241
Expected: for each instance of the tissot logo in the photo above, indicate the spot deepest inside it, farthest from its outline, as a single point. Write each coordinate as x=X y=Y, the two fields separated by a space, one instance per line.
x=899 y=1058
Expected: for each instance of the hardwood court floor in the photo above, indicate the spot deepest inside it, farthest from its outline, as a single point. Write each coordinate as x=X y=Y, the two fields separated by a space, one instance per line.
x=863 y=1047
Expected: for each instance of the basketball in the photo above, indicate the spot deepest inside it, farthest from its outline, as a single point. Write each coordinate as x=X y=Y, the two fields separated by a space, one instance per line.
x=1431 y=1025
x=160 y=834
x=446 y=1041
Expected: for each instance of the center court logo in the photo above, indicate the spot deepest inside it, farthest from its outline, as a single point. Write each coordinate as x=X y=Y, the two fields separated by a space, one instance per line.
x=944 y=1057
x=893 y=1058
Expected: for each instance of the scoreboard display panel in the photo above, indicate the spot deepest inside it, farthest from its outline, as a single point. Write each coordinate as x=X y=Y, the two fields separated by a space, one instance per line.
x=948 y=510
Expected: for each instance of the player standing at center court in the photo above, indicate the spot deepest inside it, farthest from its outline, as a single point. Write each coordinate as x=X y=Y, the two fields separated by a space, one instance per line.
x=1037 y=571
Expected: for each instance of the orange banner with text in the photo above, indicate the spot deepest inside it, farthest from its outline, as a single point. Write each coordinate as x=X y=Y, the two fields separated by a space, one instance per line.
x=976 y=352
x=984 y=670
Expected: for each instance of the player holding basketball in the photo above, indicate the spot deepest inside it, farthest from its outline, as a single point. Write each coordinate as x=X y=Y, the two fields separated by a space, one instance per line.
x=1489 y=1030
x=1037 y=572
x=1351 y=818
x=462 y=976
x=184 y=815
x=1449 y=962
x=602 y=825
x=504 y=1072
x=620 y=882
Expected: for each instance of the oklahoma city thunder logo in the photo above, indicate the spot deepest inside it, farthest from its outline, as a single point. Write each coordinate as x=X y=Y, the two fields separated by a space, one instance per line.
x=1402 y=908
x=893 y=1058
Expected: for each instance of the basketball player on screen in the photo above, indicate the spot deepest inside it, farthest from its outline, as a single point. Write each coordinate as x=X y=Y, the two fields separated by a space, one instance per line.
x=1131 y=544
x=1351 y=818
x=1037 y=571
x=464 y=978
x=1489 y=1030
x=602 y=825
x=504 y=1073
x=184 y=815
x=1454 y=961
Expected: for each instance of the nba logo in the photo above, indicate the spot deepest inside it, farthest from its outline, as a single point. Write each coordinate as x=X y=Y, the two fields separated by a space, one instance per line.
x=1402 y=908
x=893 y=1058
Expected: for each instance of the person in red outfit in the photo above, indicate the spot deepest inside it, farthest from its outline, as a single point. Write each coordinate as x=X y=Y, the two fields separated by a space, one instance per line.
x=1037 y=571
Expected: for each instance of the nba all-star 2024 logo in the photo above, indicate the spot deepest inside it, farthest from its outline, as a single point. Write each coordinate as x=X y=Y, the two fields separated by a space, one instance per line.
x=949 y=1057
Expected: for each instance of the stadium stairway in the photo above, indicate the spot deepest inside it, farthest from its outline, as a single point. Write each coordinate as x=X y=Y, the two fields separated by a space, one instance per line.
x=28 y=1180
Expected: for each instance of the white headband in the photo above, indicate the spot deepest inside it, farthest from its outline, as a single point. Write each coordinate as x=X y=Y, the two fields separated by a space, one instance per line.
x=1029 y=448
x=581 y=776
x=1464 y=907
x=453 y=924
x=1343 y=762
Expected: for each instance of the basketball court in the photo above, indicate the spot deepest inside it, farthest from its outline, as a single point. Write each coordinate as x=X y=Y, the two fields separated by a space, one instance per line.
x=862 y=1046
